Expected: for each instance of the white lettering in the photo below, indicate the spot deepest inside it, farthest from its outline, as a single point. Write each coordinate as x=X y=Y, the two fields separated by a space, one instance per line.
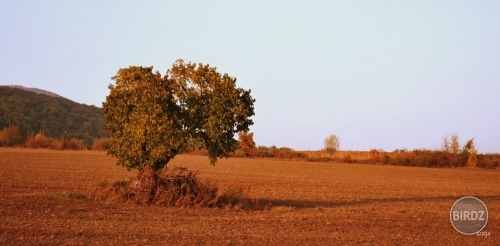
x=483 y=234
x=466 y=215
x=474 y=215
x=481 y=215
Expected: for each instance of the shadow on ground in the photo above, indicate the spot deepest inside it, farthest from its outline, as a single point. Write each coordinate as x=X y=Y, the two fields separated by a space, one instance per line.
x=314 y=204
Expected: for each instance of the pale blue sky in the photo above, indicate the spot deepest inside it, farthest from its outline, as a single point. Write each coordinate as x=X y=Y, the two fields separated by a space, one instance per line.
x=379 y=74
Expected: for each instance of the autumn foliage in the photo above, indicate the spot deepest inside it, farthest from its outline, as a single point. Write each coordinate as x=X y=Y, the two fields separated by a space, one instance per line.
x=151 y=118
x=38 y=141
x=452 y=153
x=247 y=145
x=11 y=136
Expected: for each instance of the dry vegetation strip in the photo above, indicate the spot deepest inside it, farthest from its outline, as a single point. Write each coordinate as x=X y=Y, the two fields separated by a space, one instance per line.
x=313 y=203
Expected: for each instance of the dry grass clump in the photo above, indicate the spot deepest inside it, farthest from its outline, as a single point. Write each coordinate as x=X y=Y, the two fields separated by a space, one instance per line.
x=178 y=187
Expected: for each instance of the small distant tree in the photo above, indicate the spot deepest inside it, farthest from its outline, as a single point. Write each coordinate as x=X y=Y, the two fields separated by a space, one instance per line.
x=246 y=143
x=332 y=144
x=451 y=148
x=451 y=144
x=150 y=118
x=470 y=152
x=455 y=145
x=446 y=145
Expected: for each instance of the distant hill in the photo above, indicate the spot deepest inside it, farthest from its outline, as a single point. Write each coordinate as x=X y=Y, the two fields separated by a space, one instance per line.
x=35 y=110
x=36 y=90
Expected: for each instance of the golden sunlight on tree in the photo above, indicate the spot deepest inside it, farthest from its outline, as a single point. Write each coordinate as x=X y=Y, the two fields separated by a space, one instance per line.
x=150 y=117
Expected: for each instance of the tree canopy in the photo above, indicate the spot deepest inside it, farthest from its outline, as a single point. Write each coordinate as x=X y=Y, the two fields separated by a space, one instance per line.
x=150 y=117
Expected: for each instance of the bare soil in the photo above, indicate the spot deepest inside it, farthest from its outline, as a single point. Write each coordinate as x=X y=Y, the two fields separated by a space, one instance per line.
x=303 y=203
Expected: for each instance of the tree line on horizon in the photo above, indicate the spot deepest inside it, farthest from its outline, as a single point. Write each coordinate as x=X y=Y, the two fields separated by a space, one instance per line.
x=12 y=136
x=451 y=154
x=32 y=120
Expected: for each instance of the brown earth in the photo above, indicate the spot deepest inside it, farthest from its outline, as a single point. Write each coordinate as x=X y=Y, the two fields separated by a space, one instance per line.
x=312 y=203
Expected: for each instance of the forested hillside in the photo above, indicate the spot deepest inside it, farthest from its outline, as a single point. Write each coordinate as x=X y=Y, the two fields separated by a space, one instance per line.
x=53 y=116
x=36 y=90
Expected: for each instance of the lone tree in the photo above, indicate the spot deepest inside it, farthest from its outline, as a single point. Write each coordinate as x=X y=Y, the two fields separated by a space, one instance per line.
x=332 y=144
x=150 y=118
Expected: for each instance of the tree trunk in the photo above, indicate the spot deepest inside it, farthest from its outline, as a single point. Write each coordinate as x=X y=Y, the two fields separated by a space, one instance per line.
x=154 y=185
x=146 y=185
x=148 y=182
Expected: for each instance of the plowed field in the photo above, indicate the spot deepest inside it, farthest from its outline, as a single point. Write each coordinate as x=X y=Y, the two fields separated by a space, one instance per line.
x=309 y=203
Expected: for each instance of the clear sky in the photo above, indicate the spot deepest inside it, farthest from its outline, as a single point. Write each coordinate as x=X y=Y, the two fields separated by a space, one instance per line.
x=378 y=74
